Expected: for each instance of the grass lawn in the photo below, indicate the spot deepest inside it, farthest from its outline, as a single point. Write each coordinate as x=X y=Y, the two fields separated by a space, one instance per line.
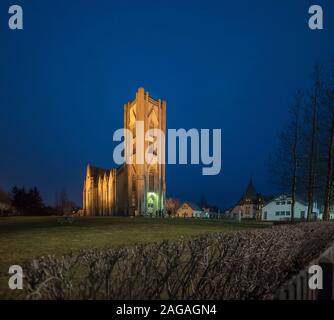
x=22 y=238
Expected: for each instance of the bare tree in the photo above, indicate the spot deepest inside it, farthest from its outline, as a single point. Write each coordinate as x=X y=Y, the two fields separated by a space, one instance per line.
x=286 y=164
x=295 y=128
x=64 y=206
x=328 y=192
x=305 y=158
x=313 y=136
x=171 y=206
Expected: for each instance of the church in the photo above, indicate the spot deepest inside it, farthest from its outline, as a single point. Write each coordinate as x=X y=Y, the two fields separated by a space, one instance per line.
x=250 y=204
x=132 y=189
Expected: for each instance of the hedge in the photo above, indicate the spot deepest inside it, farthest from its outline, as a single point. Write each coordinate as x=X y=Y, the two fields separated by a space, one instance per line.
x=241 y=265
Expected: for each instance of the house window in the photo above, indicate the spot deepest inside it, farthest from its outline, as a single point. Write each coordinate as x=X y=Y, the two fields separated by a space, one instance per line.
x=133 y=199
x=282 y=213
x=277 y=213
x=134 y=188
x=288 y=213
x=302 y=214
x=265 y=215
x=283 y=202
x=277 y=203
x=289 y=202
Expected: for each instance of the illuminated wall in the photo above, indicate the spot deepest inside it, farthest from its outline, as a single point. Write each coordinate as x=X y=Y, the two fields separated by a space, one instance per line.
x=133 y=189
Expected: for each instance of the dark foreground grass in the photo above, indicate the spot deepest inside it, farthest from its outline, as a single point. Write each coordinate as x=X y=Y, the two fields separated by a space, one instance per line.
x=22 y=238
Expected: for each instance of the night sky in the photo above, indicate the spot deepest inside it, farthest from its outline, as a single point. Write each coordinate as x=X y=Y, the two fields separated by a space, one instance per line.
x=233 y=65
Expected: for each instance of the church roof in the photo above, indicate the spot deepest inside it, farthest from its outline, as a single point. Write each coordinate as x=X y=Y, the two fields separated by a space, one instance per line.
x=97 y=172
x=192 y=205
x=250 y=195
x=250 y=192
x=195 y=207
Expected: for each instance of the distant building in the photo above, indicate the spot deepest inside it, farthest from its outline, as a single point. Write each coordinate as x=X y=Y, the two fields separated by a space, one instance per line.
x=279 y=209
x=250 y=204
x=331 y=213
x=216 y=215
x=190 y=210
x=6 y=209
x=5 y=204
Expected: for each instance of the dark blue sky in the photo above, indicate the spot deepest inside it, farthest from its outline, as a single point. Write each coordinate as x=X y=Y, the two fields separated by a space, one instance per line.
x=232 y=65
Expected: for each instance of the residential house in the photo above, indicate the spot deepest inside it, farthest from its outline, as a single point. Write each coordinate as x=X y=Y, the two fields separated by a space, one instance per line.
x=190 y=210
x=331 y=213
x=279 y=209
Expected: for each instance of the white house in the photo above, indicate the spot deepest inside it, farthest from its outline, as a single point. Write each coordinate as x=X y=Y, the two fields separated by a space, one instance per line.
x=331 y=213
x=331 y=216
x=279 y=209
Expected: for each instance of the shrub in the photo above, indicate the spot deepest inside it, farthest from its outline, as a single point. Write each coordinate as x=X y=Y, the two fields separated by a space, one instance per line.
x=241 y=265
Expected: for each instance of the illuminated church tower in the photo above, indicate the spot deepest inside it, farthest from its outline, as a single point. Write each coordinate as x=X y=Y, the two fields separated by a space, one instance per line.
x=138 y=188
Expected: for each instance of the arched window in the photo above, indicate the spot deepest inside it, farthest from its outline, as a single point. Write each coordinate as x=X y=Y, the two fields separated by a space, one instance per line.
x=151 y=182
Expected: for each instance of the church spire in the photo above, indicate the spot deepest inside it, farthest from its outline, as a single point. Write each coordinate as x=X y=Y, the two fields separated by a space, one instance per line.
x=250 y=191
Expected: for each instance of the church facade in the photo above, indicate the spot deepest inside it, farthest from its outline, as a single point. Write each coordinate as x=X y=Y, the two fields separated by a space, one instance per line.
x=136 y=189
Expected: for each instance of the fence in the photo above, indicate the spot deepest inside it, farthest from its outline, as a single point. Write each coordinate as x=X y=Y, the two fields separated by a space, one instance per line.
x=297 y=288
